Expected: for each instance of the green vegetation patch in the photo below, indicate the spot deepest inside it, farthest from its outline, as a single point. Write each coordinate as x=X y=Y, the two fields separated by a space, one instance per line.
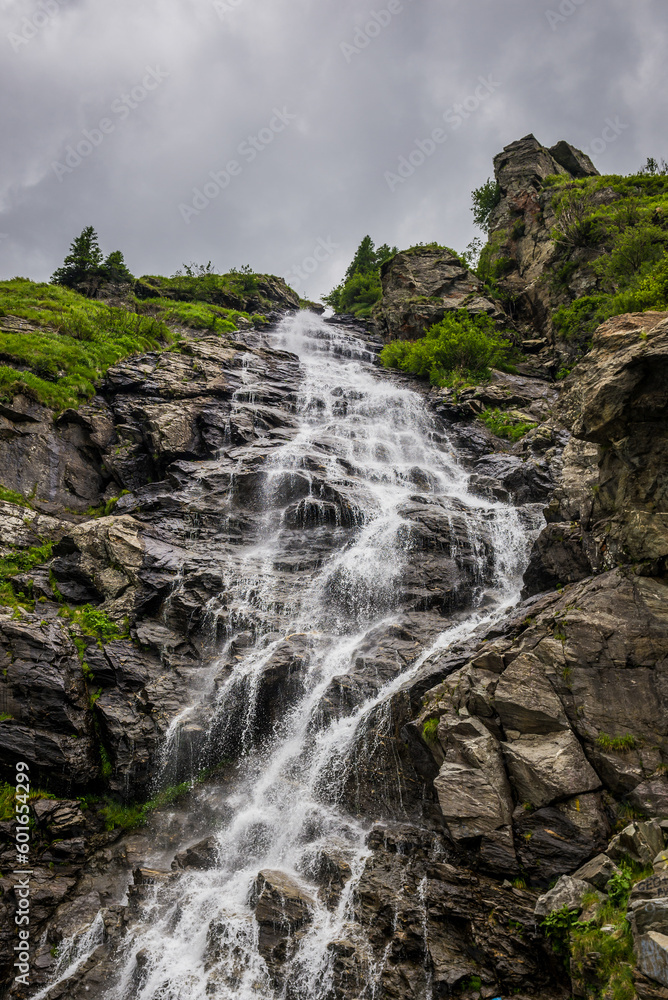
x=77 y=340
x=429 y=730
x=11 y=496
x=618 y=227
x=15 y=564
x=622 y=744
x=604 y=943
x=361 y=287
x=129 y=817
x=460 y=345
x=505 y=425
x=94 y=622
x=8 y=800
x=198 y=315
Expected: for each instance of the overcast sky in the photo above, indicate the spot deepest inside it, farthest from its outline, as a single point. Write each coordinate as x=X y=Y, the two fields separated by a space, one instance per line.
x=117 y=114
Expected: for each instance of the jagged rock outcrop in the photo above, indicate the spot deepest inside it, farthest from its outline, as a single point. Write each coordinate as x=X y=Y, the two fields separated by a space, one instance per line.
x=420 y=286
x=521 y=245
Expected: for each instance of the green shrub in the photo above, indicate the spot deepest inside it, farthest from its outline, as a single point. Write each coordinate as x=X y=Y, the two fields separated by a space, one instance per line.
x=485 y=199
x=631 y=250
x=459 y=343
x=578 y=321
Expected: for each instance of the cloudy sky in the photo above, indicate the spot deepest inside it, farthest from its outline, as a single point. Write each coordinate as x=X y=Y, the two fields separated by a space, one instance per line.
x=257 y=131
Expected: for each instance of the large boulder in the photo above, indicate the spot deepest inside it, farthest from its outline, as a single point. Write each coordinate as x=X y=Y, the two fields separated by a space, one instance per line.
x=420 y=286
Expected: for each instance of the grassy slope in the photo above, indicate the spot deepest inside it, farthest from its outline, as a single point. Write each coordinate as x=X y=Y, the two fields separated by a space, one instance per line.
x=68 y=341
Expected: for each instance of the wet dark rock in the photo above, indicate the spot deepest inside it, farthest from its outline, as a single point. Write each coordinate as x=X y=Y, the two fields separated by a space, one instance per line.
x=282 y=909
x=200 y=856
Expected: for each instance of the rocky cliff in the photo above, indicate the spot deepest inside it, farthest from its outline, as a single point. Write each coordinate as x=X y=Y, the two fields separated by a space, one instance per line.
x=474 y=816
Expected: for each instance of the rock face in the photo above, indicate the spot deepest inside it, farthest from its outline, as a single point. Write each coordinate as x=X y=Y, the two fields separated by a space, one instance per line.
x=420 y=286
x=520 y=227
x=609 y=507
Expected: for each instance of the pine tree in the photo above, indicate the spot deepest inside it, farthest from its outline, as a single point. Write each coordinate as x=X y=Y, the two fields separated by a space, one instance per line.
x=83 y=262
x=364 y=260
x=115 y=268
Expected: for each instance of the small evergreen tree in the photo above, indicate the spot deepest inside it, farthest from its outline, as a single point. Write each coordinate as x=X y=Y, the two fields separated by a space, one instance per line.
x=361 y=287
x=115 y=268
x=83 y=262
x=364 y=260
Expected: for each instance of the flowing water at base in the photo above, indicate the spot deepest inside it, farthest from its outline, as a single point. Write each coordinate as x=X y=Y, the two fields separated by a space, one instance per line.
x=372 y=442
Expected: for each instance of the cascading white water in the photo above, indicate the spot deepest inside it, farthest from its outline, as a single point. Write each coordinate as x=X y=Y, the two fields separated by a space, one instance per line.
x=374 y=442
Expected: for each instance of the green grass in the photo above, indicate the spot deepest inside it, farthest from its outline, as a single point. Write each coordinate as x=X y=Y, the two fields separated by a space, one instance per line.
x=8 y=800
x=198 y=315
x=622 y=744
x=626 y=242
x=234 y=290
x=504 y=425
x=78 y=339
x=577 y=941
x=129 y=817
x=11 y=496
x=15 y=564
x=94 y=622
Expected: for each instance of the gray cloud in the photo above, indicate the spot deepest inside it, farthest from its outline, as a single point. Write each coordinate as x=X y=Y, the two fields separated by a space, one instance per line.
x=364 y=81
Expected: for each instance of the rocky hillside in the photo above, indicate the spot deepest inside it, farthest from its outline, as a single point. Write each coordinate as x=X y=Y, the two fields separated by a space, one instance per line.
x=515 y=788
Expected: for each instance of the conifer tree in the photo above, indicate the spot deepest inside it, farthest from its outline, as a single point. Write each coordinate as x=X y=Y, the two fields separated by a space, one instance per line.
x=83 y=262
x=115 y=268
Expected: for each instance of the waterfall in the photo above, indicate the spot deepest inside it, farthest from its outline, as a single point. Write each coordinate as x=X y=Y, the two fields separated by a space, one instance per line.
x=349 y=509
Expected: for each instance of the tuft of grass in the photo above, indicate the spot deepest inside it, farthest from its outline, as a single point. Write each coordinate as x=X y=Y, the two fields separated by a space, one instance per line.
x=429 y=730
x=11 y=496
x=504 y=425
x=129 y=817
x=8 y=800
x=94 y=622
x=622 y=744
